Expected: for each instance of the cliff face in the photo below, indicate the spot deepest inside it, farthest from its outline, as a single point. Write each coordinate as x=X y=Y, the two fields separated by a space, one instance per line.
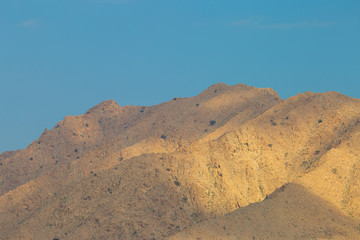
x=137 y=172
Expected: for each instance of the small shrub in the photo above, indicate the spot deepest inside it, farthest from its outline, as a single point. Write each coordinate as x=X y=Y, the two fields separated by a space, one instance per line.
x=270 y=145
x=306 y=164
x=75 y=150
x=212 y=122
x=261 y=189
x=86 y=125
x=31 y=159
x=163 y=137
x=334 y=170
x=168 y=169
x=286 y=117
x=142 y=110
x=184 y=199
x=177 y=183
x=273 y=123
x=317 y=152
x=195 y=217
x=320 y=121
x=39 y=142
x=197 y=105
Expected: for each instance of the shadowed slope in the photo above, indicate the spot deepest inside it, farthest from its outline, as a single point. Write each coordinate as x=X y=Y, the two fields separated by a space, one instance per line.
x=136 y=199
x=291 y=212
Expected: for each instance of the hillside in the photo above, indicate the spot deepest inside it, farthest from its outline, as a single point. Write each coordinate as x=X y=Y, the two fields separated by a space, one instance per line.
x=234 y=162
x=291 y=212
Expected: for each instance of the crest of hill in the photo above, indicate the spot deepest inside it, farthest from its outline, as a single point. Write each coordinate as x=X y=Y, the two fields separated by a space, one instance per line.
x=108 y=106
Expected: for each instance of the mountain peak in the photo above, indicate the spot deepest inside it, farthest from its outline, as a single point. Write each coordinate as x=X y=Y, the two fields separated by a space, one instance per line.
x=105 y=106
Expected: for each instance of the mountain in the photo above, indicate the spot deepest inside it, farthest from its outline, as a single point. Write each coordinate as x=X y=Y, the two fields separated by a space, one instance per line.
x=234 y=162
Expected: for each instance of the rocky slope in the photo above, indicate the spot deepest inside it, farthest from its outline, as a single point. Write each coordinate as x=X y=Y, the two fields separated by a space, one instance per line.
x=291 y=212
x=173 y=169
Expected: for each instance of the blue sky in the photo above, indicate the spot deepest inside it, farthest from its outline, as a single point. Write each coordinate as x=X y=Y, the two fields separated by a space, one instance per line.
x=61 y=57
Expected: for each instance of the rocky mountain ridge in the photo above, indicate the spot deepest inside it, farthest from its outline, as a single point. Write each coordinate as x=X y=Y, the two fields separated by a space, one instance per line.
x=181 y=168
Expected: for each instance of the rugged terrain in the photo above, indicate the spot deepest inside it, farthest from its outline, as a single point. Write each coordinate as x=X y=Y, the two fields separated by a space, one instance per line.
x=234 y=162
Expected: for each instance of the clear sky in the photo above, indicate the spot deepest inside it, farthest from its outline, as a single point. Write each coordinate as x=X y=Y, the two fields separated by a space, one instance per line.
x=61 y=57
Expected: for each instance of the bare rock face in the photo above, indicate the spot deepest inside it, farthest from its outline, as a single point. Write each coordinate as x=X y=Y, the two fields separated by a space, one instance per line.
x=213 y=166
